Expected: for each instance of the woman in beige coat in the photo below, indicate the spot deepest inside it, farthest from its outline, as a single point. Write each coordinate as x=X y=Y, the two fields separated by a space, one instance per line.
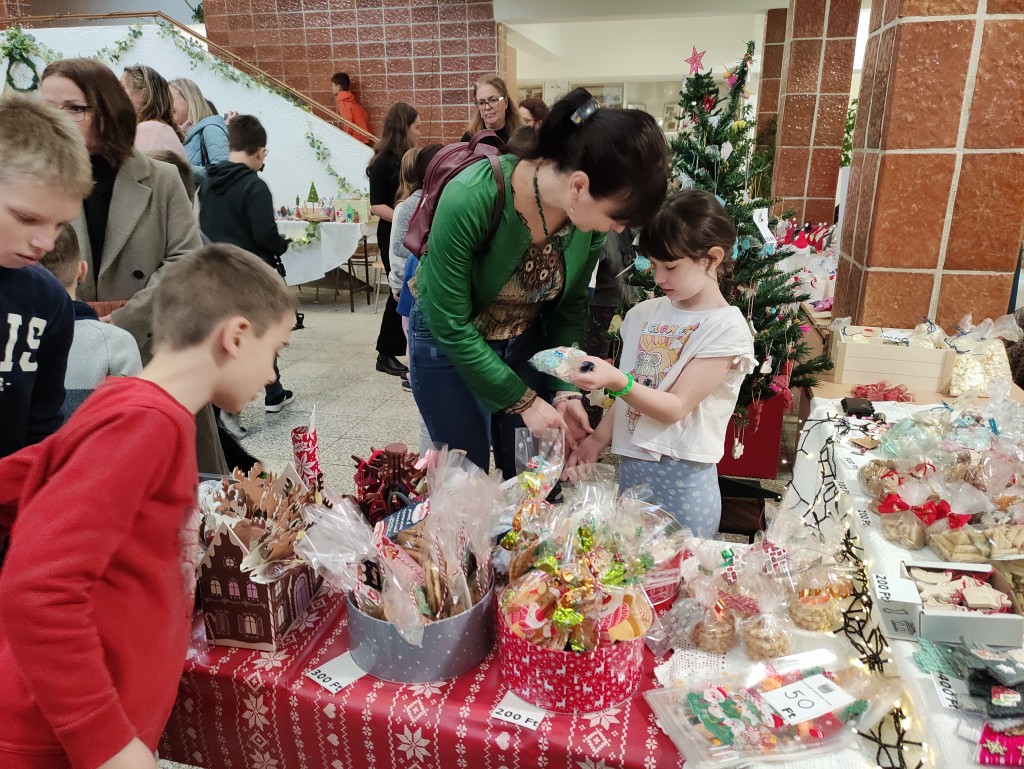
x=136 y=219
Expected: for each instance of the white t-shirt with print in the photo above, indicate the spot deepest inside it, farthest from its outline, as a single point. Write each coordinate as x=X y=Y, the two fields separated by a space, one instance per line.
x=658 y=341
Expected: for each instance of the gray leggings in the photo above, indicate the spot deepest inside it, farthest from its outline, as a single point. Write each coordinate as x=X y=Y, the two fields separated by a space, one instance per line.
x=687 y=490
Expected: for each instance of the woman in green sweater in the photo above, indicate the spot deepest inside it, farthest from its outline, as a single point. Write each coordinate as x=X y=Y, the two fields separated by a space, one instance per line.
x=484 y=308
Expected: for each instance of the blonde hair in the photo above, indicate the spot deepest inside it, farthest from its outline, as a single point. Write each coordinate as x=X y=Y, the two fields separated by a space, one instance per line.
x=198 y=106
x=408 y=183
x=512 y=117
x=211 y=284
x=64 y=258
x=155 y=96
x=40 y=142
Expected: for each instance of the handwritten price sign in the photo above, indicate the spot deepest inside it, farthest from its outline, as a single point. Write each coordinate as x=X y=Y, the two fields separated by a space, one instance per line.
x=514 y=711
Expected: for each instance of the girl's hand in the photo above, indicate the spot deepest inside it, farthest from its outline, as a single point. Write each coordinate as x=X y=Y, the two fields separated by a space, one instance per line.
x=603 y=376
x=541 y=415
x=575 y=417
x=586 y=452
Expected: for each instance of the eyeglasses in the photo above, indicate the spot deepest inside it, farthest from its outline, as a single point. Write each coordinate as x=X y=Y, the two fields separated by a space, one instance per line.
x=493 y=102
x=76 y=112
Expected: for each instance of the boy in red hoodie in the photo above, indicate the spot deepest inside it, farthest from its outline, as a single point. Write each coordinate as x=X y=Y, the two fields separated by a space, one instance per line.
x=96 y=593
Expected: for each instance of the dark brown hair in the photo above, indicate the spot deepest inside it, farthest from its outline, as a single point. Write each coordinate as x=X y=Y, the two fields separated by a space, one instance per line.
x=64 y=258
x=623 y=152
x=211 y=284
x=113 y=114
x=536 y=107
x=687 y=226
x=342 y=80
x=180 y=165
x=246 y=134
x=394 y=136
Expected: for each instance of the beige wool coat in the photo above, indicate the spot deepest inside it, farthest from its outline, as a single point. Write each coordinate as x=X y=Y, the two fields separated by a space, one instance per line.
x=150 y=224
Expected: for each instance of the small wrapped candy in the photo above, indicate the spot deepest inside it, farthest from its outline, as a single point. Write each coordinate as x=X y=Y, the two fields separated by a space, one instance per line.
x=561 y=362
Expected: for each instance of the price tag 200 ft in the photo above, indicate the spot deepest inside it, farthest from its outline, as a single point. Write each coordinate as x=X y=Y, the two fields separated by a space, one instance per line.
x=515 y=711
x=810 y=698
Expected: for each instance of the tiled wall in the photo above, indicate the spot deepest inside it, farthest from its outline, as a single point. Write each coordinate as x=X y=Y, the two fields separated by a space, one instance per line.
x=13 y=8
x=771 y=67
x=936 y=199
x=425 y=53
x=815 y=91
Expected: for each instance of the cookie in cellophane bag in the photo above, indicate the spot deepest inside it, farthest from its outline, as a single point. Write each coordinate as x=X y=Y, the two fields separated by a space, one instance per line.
x=768 y=635
x=716 y=630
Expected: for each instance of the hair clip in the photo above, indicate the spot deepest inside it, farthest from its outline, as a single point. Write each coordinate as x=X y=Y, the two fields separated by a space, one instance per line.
x=582 y=115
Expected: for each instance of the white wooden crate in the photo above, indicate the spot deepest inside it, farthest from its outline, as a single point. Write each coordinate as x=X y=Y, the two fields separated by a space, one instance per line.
x=919 y=368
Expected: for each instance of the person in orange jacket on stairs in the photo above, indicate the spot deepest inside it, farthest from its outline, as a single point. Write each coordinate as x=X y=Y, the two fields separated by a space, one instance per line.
x=348 y=107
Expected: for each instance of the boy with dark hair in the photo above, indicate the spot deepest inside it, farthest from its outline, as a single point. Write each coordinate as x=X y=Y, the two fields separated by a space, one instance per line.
x=98 y=349
x=44 y=175
x=236 y=208
x=348 y=107
x=96 y=594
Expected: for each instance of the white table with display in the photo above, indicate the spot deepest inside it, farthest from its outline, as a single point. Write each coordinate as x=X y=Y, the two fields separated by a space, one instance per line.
x=338 y=242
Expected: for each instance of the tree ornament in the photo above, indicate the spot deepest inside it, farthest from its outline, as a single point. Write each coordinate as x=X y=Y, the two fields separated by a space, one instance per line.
x=696 y=61
x=726 y=150
x=766 y=367
x=313 y=196
x=737 y=448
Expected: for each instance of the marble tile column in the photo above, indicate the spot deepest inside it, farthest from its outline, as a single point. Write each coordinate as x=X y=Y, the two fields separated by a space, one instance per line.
x=936 y=200
x=817 y=70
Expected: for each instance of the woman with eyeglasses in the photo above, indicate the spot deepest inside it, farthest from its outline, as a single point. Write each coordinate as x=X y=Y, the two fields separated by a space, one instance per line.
x=136 y=219
x=495 y=109
x=485 y=307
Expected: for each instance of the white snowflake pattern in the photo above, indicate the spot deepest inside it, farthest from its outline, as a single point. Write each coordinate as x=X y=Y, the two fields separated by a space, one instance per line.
x=426 y=690
x=460 y=748
x=269 y=660
x=414 y=744
x=650 y=763
x=255 y=712
x=589 y=764
x=605 y=718
x=464 y=711
x=263 y=761
x=461 y=763
x=461 y=731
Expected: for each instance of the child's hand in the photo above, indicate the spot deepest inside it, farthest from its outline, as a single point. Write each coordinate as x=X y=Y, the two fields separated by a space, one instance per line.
x=586 y=452
x=134 y=755
x=603 y=375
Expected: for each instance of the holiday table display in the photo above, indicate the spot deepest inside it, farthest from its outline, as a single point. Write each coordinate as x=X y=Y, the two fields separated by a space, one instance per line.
x=253 y=585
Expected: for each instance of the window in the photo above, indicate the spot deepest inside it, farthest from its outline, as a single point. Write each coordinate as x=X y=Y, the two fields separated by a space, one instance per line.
x=280 y=616
x=233 y=590
x=222 y=623
x=230 y=563
x=249 y=624
x=215 y=588
x=252 y=592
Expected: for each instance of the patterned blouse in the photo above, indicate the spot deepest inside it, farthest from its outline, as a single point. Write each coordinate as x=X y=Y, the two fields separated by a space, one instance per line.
x=539 y=278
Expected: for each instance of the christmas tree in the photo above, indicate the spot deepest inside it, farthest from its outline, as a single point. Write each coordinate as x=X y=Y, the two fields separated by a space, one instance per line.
x=714 y=151
x=313 y=196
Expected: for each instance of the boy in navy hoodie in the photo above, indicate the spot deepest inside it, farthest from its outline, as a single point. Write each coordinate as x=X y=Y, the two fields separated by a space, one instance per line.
x=237 y=208
x=44 y=175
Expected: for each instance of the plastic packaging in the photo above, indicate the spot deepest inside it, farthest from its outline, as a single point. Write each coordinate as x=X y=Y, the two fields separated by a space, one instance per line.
x=813 y=604
x=560 y=362
x=729 y=720
x=767 y=635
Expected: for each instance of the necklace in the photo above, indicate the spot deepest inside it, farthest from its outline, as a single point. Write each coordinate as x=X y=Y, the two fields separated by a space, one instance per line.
x=540 y=208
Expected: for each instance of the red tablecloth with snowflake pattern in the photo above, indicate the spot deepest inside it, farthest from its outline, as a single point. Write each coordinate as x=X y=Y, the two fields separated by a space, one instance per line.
x=239 y=709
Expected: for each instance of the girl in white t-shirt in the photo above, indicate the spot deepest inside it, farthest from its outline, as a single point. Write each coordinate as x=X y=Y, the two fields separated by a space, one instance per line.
x=684 y=356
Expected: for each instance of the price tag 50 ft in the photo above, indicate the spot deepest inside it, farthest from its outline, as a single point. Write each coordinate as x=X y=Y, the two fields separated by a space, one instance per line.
x=807 y=699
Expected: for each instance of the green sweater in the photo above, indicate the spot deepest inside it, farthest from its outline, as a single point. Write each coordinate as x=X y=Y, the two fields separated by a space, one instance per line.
x=460 y=277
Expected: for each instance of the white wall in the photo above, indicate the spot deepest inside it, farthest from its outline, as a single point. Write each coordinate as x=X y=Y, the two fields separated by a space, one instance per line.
x=291 y=164
x=634 y=49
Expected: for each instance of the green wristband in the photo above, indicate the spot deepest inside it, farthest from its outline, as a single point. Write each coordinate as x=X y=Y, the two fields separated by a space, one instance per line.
x=623 y=391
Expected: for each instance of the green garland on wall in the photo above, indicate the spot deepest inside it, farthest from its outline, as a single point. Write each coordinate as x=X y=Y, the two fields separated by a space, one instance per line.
x=19 y=48
x=324 y=156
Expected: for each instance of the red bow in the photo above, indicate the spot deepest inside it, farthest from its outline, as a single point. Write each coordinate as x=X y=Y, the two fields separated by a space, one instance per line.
x=932 y=511
x=883 y=391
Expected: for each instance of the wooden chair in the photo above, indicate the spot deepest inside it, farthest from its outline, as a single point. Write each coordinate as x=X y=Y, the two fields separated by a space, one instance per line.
x=361 y=260
x=380 y=280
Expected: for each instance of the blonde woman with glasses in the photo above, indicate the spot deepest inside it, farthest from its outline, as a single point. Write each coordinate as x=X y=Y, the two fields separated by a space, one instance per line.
x=206 y=134
x=495 y=109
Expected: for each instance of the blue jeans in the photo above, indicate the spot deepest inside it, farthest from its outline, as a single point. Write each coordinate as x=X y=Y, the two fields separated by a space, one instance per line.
x=452 y=412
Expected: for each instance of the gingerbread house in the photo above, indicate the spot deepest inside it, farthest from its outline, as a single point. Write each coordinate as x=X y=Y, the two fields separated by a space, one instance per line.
x=240 y=612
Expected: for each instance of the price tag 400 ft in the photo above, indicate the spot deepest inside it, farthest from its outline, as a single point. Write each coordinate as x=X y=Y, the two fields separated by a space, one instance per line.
x=513 y=710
